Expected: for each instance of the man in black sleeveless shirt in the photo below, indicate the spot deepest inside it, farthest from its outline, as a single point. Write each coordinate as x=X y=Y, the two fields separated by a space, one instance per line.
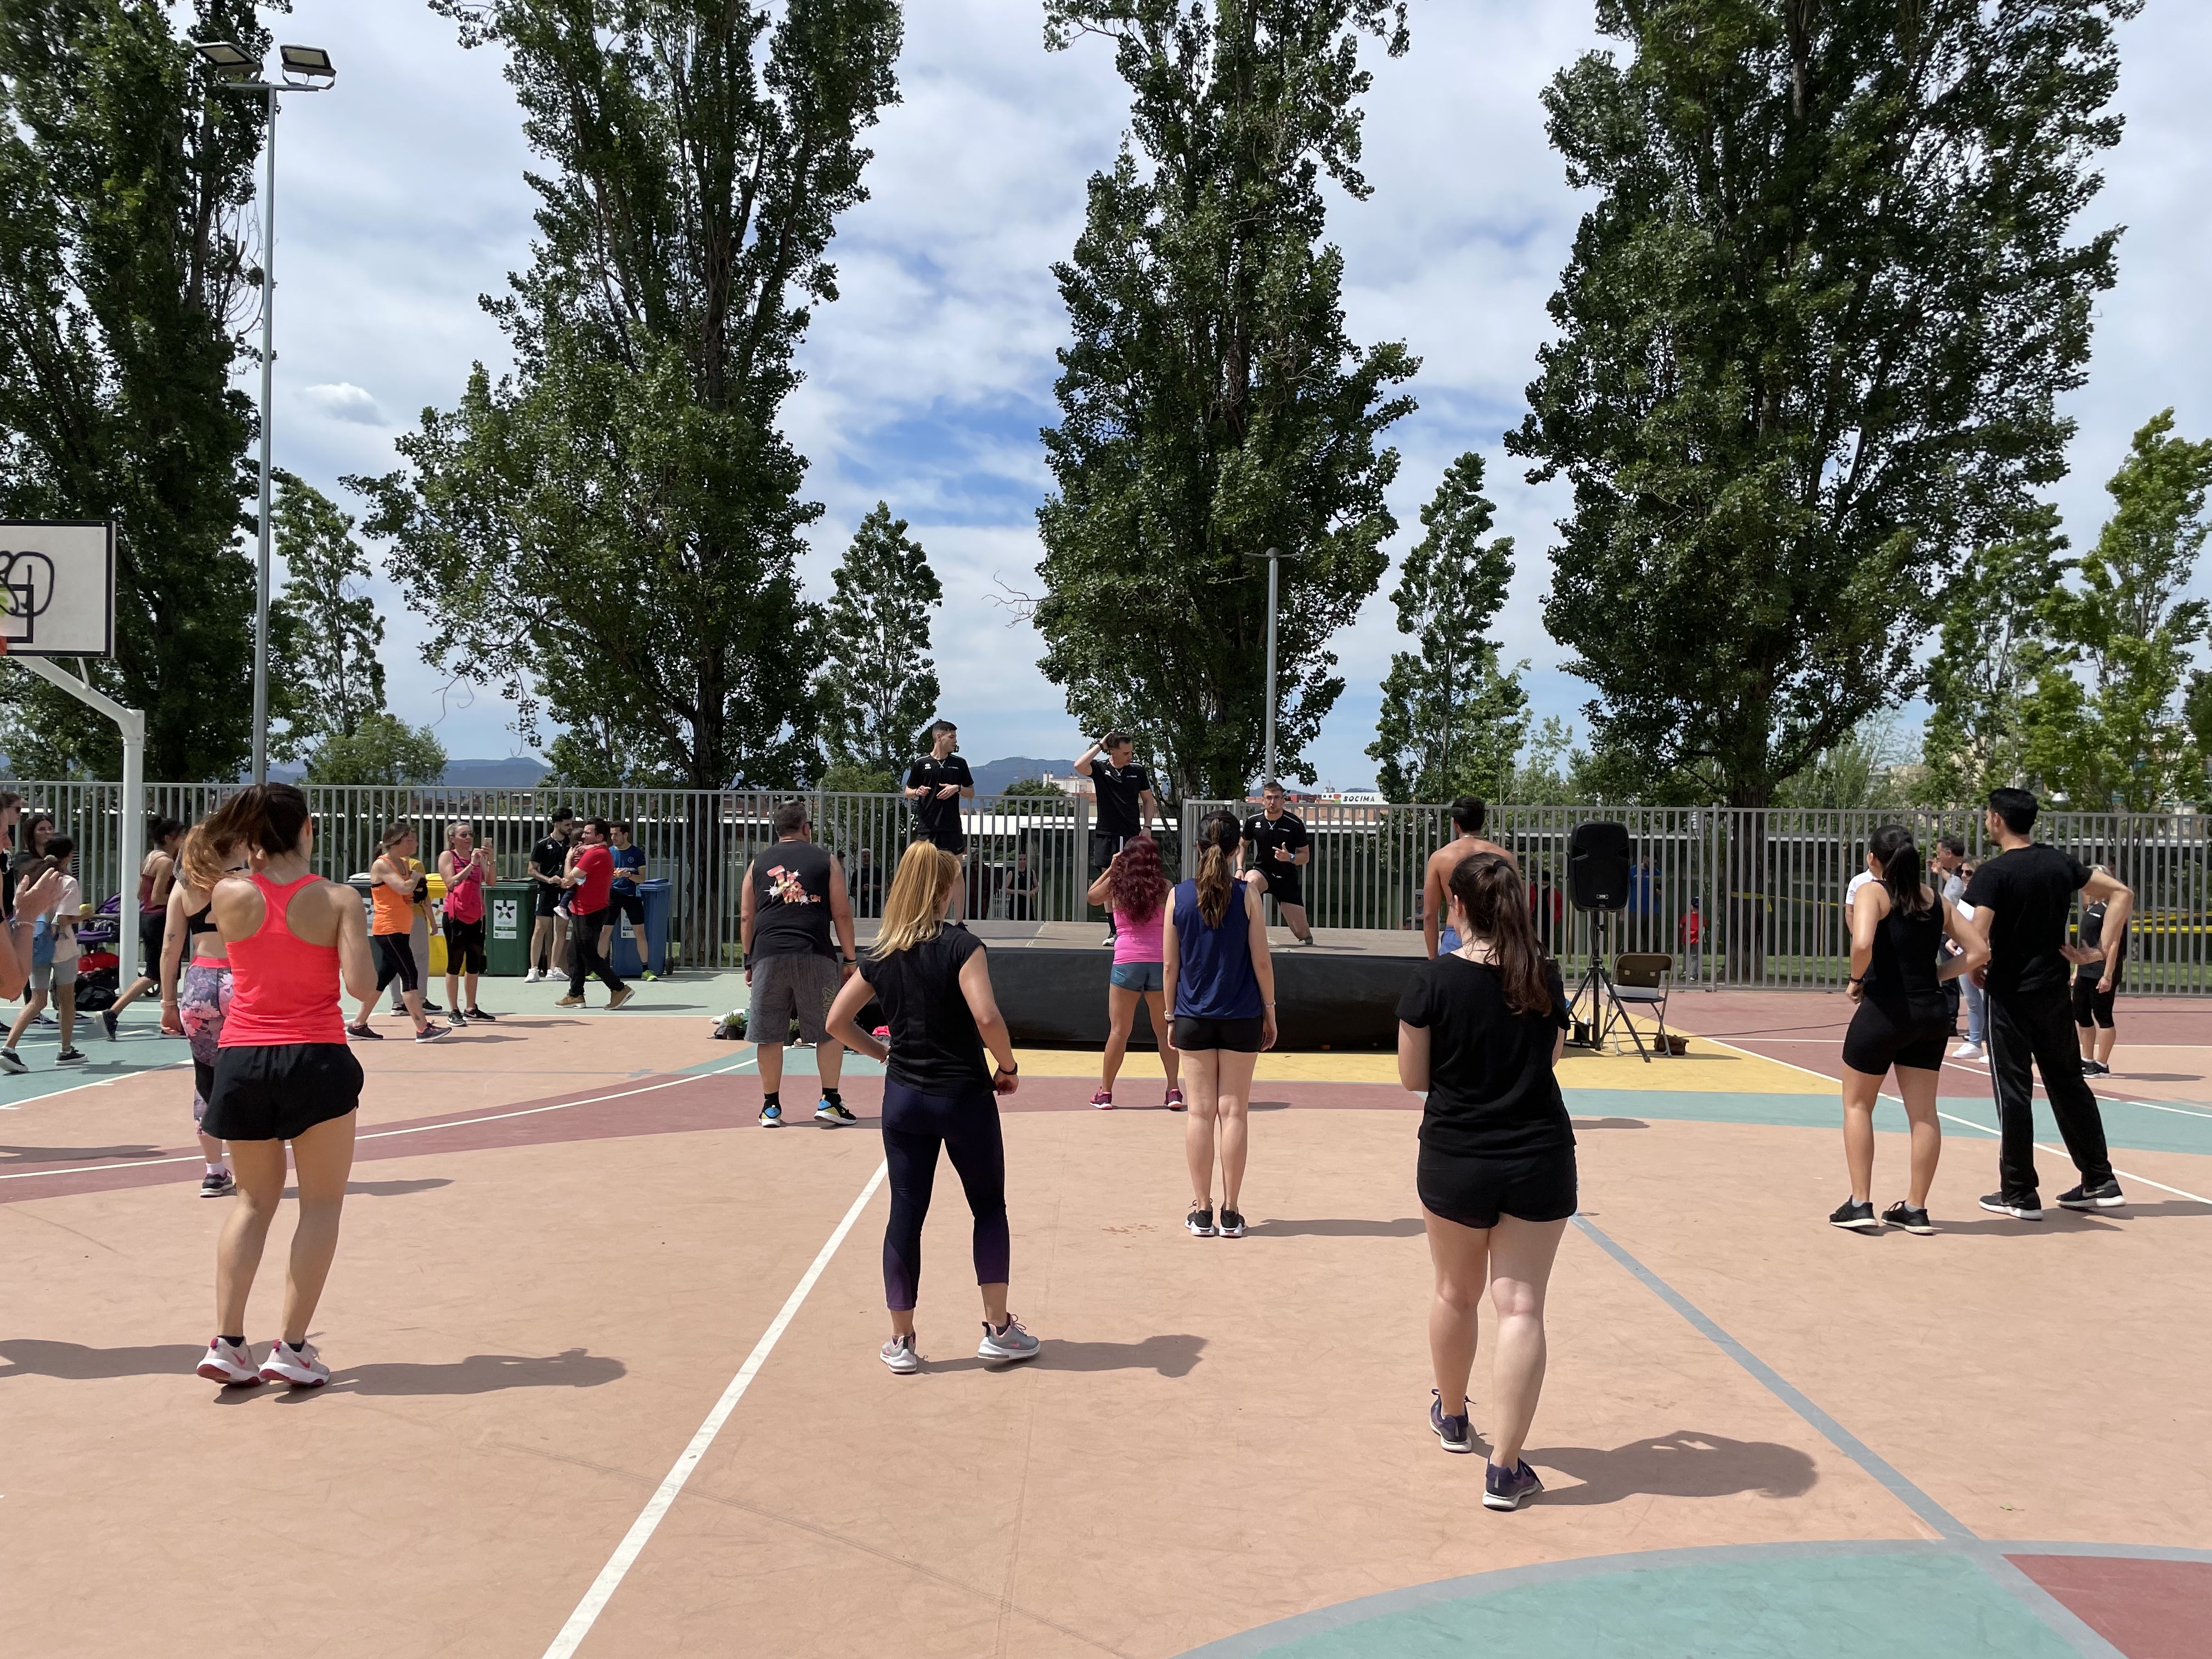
x=2023 y=898
x=793 y=898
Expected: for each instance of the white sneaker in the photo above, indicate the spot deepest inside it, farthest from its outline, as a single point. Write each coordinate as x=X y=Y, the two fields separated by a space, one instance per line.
x=534 y=976
x=297 y=1366
x=1009 y=1341
x=898 y=1353
x=1967 y=1051
x=230 y=1363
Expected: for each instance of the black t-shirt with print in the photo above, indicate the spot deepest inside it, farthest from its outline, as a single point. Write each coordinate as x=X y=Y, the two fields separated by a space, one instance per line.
x=551 y=856
x=1264 y=835
x=934 y=1044
x=791 y=902
x=934 y=816
x=1120 y=811
x=2029 y=893
x=1492 y=1092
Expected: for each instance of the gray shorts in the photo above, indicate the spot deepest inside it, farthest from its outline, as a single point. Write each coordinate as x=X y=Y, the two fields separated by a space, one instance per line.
x=788 y=988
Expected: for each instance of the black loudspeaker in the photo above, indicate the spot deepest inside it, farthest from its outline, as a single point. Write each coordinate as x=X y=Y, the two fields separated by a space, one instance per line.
x=1597 y=866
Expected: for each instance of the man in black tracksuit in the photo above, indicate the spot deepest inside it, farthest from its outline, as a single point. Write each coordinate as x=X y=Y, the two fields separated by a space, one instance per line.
x=2023 y=897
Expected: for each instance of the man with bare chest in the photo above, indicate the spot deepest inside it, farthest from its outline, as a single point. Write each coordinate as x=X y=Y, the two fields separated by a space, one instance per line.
x=1468 y=815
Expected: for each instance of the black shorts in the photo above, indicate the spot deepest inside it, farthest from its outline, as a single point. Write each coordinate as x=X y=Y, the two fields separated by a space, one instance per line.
x=628 y=904
x=1285 y=884
x=1238 y=1037
x=945 y=841
x=1475 y=1191
x=549 y=897
x=395 y=959
x=464 y=945
x=285 y=1090
x=1104 y=843
x=152 y=928
x=1883 y=1034
x=2093 y=1006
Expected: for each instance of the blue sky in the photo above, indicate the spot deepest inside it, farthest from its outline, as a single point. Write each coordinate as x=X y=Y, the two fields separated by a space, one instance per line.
x=401 y=199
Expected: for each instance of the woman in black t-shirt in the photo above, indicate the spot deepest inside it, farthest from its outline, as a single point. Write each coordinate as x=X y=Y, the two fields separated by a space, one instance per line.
x=934 y=983
x=1480 y=1029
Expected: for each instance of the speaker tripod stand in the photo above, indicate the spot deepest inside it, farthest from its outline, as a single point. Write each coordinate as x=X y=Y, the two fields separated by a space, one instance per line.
x=1606 y=1011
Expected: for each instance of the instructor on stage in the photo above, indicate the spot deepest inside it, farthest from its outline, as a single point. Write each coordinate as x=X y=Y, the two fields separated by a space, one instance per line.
x=1127 y=805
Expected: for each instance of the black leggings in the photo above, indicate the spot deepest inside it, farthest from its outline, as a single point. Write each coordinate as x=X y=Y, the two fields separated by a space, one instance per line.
x=966 y=1126
x=395 y=959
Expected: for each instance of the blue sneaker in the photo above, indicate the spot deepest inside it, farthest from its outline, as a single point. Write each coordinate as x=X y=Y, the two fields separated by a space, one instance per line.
x=834 y=1114
x=771 y=1117
x=1508 y=1489
x=1457 y=1433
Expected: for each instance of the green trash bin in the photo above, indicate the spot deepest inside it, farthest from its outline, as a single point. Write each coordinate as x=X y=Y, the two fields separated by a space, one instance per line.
x=506 y=939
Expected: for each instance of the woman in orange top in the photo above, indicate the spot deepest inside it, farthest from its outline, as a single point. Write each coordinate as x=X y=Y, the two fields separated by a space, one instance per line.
x=391 y=927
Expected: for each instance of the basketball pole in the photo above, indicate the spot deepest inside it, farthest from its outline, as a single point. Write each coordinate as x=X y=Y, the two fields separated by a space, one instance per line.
x=133 y=722
x=268 y=361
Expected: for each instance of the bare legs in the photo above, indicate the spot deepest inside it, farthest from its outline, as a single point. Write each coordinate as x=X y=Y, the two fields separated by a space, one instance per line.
x=828 y=1060
x=1515 y=1258
x=1861 y=1091
x=994 y=1310
x=2097 y=1042
x=322 y=1159
x=1219 y=1085
x=454 y=1002
x=1122 y=1013
x=1294 y=918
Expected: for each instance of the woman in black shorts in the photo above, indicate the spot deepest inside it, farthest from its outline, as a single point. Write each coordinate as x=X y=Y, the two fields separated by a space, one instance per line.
x=1897 y=971
x=282 y=1072
x=1219 y=985
x=1480 y=1031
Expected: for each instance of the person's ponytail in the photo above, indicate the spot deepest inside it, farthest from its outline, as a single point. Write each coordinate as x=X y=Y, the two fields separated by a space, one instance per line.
x=1217 y=838
x=1896 y=852
x=265 y=816
x=1495 y=901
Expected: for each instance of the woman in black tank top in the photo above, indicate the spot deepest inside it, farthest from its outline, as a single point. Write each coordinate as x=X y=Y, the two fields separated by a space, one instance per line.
x=1898 y=924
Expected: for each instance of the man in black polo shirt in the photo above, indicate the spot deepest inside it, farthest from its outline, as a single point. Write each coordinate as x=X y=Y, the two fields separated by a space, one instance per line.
x=937 y=784
x=2023 y=898
x=1276 y=845
x=548 y=868
x=793 y=900
x=1127 y=805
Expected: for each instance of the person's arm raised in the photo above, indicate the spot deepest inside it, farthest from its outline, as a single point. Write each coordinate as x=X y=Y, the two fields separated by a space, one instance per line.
x=1083 y=761
x=990 y=1025
x=33 y=900
x=2119 y=901
x=1101 y=887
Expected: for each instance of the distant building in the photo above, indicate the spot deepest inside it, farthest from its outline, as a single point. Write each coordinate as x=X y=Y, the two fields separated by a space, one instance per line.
x=1074 y=784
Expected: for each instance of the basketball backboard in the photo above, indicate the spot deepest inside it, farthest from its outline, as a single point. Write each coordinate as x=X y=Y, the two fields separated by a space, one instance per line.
x=57 y=589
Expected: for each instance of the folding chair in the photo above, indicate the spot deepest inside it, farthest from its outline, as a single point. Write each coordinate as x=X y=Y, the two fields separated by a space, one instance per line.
x=1641 y=978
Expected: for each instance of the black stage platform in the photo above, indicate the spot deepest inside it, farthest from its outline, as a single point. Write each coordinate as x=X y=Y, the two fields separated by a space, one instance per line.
x=1340 y=992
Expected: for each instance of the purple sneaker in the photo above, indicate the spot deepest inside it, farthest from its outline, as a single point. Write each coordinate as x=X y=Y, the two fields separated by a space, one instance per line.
x=1505 y=1489
x=1457 y=1433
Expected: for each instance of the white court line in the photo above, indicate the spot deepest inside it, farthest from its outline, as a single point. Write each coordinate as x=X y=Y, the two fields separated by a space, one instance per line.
x=2044 y=1146
x=642 y=1529
x=415 y=1129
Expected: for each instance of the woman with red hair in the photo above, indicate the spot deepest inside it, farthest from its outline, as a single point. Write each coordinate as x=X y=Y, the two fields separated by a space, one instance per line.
x=1132 y=888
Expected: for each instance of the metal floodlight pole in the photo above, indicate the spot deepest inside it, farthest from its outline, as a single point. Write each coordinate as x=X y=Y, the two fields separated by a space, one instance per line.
x=1274 y=556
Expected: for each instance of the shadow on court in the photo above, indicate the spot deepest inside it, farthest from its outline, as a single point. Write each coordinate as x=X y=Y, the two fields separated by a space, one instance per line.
x=384 y=1189
x=1683 y=1464
x=72 y=1154
x=1170 y=1356
x=1610 y=1123
x=2055 y=1220
x=1404 y=1227
x=480 y=1373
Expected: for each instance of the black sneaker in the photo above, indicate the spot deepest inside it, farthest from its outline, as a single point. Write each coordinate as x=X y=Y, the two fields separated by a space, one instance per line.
x=1457 y=1433
x=108 y=1023
x=2105 y=1195
x=431 y=1033
x=834 y=1114
x=1200 y=1223
x=1232 y=1222
x=218 y=1183
x=71 y=1056
x=365 y=1031
x=2095 y=1068
x=477 y=1017
x=430 y=1007
x=12 y=1062
x=458 y=1020
x=1901 y=1214
x=1859 y=1217
x=1509 y=1489
x=2021 y=1206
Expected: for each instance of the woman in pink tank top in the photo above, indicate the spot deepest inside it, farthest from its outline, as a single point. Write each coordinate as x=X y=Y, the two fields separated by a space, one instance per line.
x=282 y=1072
x=1135 y=891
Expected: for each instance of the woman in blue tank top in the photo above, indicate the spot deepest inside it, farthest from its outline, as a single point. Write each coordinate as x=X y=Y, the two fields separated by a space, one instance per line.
x=1220 y=988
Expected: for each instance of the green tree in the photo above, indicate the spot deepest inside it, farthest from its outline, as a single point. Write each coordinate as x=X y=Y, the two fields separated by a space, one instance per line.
x=1995 y=641
x=878 y=686
x=124 y=176
x=327 y=672
x=1213 y=405
x=1810 y=344
x=1452 y=723
x=851 y=780
x=2123 y=736
x=613 y=528
x=1035 y=787
x=380 y=749
x=1861 y=772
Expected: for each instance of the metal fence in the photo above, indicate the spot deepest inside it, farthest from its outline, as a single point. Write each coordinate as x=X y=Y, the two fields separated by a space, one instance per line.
x=1738 y=897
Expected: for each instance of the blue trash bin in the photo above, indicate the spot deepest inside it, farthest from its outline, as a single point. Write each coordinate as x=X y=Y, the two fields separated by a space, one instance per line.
x=629 y=958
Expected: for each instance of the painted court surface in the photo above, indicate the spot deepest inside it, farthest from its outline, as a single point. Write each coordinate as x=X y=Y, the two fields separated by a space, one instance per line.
x=605 y=1374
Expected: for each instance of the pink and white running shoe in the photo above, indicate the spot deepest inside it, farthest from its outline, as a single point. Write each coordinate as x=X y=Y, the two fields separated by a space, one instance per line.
x=1103 y=1100
x=230 y=1363
x=297 y=1366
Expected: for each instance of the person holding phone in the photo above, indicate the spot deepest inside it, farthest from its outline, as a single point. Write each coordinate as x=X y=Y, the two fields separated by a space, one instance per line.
x=466 y=869
x=934 y=984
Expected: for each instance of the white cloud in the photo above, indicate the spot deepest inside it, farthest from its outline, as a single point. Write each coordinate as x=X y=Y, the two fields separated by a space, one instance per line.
x=344 y=401
x=401 y=198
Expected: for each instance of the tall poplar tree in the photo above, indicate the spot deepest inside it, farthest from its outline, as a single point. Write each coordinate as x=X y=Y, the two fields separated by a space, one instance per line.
x=1213 y=406
x=878 y=684
x=1811 y=342
x=1451 y=724
x=611 y=530
x=125 y=278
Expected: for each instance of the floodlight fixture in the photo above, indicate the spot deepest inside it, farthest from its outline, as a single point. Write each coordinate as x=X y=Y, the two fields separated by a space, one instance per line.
x=308 y=69
x=227 y=58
